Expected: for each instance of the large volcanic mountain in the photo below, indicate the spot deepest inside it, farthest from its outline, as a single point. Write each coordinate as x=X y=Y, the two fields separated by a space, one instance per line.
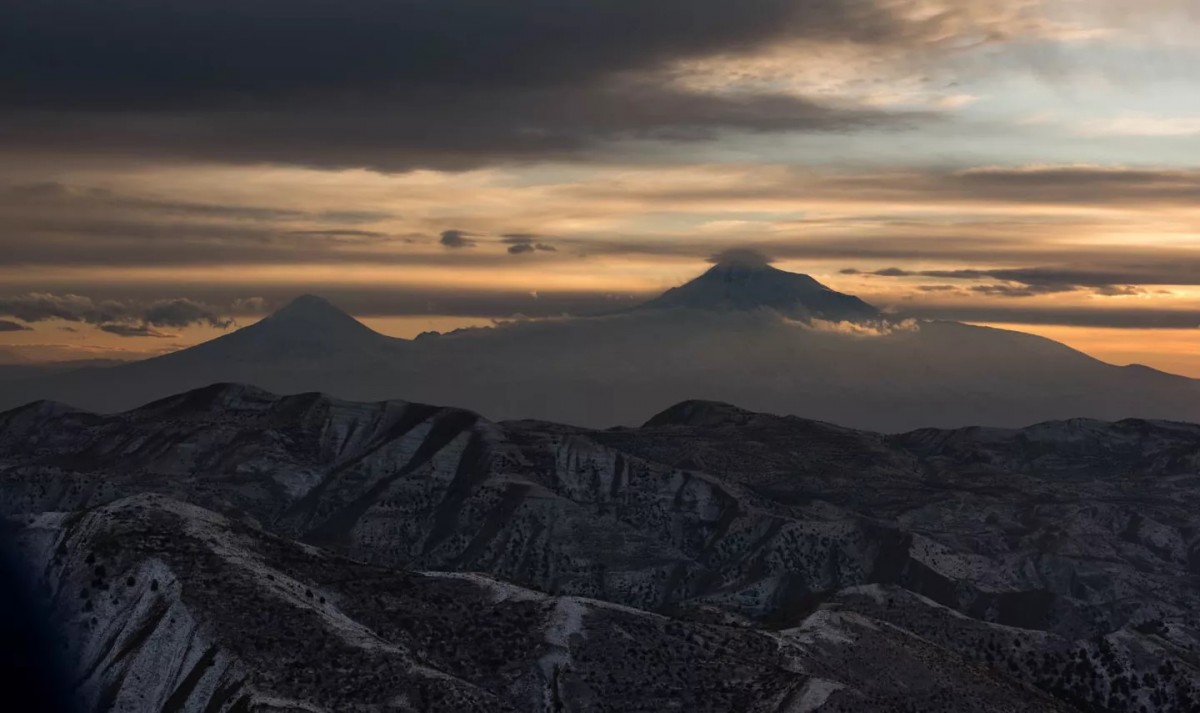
x=744 y=332
x=746 y=281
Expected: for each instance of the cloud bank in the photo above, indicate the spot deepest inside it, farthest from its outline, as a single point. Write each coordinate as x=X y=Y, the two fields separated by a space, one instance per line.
x=122 y=318
x=410 y=83
x=10 y=326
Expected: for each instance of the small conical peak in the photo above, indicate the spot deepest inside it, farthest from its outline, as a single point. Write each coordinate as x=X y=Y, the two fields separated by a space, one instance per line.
x=305 y=333
x=313 y=319
x=308 y=304
x=312 y=311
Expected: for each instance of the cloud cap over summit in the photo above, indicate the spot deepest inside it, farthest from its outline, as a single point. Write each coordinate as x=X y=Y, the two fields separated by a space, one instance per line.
x=744 y=279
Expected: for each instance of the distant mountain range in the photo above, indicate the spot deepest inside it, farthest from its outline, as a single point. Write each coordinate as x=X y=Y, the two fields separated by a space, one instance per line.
x=231 y=550
x=744 y=332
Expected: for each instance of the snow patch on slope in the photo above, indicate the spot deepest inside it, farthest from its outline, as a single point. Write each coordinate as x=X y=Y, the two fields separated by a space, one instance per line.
x=814 y=695
x=211 y=530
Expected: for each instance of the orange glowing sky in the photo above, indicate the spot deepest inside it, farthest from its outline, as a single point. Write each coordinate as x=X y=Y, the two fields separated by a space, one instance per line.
x=1027 y=164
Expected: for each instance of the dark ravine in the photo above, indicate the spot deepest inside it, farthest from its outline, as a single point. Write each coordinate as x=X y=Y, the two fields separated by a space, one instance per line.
x=712 y=559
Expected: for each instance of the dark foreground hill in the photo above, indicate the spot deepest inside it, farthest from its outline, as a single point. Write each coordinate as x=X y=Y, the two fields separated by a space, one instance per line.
x=227 y=549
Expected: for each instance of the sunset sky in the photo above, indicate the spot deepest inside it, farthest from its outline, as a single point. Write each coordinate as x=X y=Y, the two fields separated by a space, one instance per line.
x=172 y=169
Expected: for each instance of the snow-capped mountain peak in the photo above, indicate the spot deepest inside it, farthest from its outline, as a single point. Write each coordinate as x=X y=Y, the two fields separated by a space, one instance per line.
x=744 y=280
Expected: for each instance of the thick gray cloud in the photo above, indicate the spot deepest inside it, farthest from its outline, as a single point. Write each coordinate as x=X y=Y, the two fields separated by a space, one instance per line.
x=403 y=83
x=181 y=313
x=436 y=128
x=522 y=243
x=176 y=52
x=41 y=306
x=10 y=326
x=455 y=239
x=743 y=256
x=1020 y=290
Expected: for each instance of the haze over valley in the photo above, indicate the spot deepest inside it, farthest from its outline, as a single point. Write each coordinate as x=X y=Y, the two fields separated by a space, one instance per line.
x=743 y=332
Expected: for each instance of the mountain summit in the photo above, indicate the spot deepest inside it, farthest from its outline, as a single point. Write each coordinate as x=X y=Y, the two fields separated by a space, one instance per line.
x=310 y=314
x=308 y=327
x=740 y=333
x=310 y=306
x=745 y=280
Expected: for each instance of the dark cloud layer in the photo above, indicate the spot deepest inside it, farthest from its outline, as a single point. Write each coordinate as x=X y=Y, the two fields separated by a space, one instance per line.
x=10 y=326
x=521 y=243
x=1032 y=281
x=373 y=300
x=743 y=256
x=180 y=52
x=1123 y=186
x=433 y=128
x=456 y=239
x=505 y=304
x=54 y=223
x=133 y=330
x=396 y=84
x=1140 y=318
x=122 y=317
x=181 y=313
x=1083 y=184
x=1020 y=290
x=57 y=195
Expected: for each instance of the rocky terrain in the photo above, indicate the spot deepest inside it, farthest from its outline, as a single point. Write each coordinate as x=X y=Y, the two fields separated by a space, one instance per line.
x=227 y=549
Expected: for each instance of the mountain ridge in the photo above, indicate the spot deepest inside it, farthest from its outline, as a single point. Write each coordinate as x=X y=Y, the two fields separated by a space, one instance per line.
x=766 y=349
x=1038 y=569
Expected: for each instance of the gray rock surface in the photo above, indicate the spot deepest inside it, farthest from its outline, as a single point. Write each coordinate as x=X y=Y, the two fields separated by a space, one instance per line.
x=712 y=559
